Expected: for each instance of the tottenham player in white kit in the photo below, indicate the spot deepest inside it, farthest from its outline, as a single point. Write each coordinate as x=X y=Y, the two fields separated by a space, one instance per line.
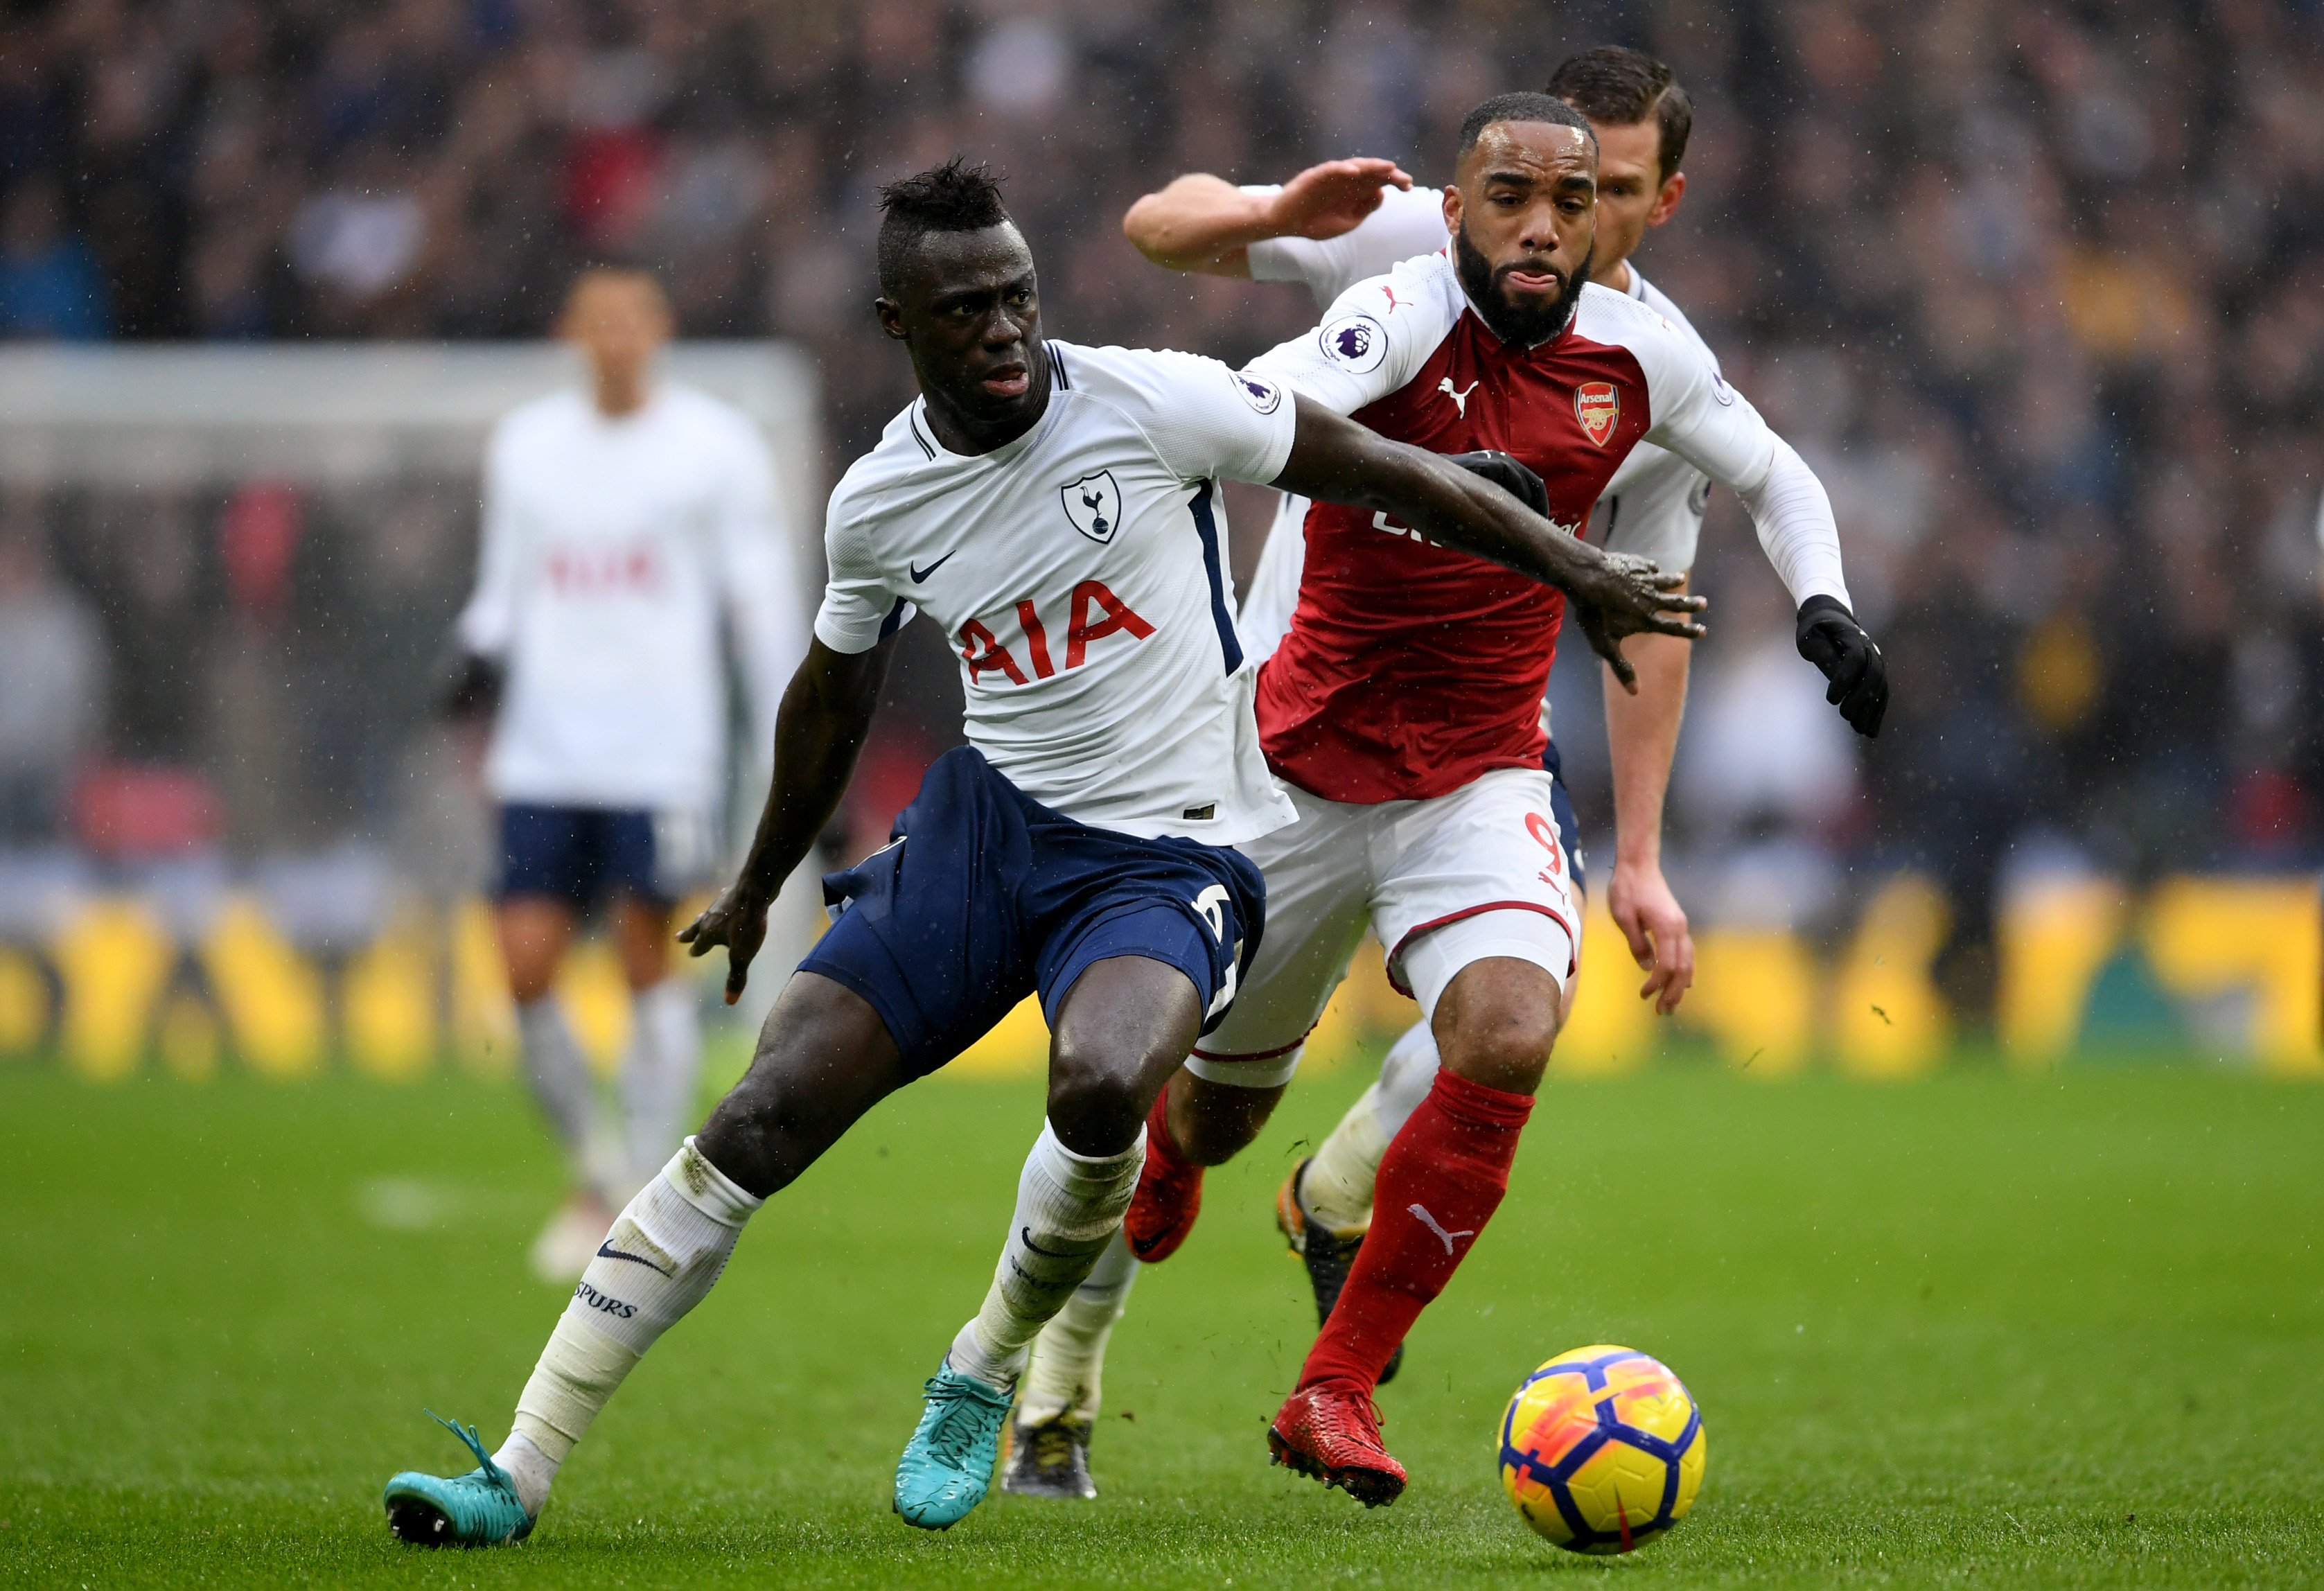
x=1053 y=510
x=1333 y=227
x=622 y=524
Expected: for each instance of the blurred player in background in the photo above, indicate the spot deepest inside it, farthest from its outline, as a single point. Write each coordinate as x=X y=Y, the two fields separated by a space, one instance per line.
x=621 y=521
x=1328 y=228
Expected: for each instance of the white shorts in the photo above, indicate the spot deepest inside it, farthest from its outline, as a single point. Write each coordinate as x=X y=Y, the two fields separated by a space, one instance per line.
x=1441 y=882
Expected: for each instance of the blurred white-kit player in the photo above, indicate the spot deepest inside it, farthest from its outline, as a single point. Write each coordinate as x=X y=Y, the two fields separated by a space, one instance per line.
x=630 y=524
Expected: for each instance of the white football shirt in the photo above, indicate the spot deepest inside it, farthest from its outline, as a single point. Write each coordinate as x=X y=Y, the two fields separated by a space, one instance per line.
x=1079 y=574
x=610 y=546
x=1653 y=505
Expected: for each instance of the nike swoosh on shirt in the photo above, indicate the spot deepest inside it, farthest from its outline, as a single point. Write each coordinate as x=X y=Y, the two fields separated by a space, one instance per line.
x=606 y=1250
x=919 y=574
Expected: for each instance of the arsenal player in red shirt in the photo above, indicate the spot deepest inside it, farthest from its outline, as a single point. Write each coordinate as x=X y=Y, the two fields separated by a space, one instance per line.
x=1403 y=711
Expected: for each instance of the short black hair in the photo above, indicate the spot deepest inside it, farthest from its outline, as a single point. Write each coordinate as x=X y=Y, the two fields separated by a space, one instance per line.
x=955 y=197
x=1621 y=88
x=1521 y=108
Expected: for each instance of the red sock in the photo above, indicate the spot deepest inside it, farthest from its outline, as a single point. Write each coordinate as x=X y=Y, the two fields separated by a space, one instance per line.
x=1170 y=1192
x=1159 y=1145
x=1438 y=1185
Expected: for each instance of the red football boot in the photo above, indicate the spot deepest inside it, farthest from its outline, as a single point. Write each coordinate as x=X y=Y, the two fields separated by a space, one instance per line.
x=1170 y=1192
x=1331 y=1432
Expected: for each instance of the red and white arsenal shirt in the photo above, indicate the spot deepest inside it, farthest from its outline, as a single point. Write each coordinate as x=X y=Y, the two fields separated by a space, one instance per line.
x=1411 y=669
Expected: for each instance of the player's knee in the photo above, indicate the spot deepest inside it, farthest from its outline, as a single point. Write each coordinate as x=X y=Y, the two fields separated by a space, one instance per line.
x=533 y=933
x=532 y=960
x=645 y=965
x=763 y=1139
x=1499 y=1027
x=752 y=1116
x=824 y=1059
x=531 y=972
x=1508 y=1054
x=1096 y=1099
x=769 y=1127
x=643 y=937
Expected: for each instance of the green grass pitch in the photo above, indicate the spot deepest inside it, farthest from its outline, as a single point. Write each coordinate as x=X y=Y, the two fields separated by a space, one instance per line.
x=1976 y=1330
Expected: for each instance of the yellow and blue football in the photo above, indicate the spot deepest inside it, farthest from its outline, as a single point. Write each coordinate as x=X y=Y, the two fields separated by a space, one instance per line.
x=1602 y=1449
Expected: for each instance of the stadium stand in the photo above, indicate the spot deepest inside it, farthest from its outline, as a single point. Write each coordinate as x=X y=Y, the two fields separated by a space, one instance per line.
x=2039 y=291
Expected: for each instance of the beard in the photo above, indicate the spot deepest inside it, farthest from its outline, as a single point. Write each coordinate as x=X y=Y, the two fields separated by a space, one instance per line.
x=1527 y=324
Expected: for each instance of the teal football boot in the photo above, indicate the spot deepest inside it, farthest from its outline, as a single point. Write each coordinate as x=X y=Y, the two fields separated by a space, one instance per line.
x=948 y=1465
x=478 y=1508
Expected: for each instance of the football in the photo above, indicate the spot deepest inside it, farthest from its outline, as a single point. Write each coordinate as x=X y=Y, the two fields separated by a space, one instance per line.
x=1602 y=1449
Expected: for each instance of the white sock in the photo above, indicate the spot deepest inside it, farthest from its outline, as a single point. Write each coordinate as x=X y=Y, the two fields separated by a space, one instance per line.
x=1069 y=1356
x=666 y=1248
x=561 y=1083
x=662 y=1074
x=532 y=1470
x=1068 y=1208
x=1407 y=1076
x=1335 y=1191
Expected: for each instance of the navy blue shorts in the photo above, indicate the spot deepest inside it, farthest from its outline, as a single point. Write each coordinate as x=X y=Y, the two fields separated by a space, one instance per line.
x=988 y=896
x=1560 y=809
x=580 y=854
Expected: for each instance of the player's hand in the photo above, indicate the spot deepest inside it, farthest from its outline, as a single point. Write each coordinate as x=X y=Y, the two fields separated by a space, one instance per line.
x=1627 y=594
x=739 y=922
x=470 y=687
x=1654 y=924
x=1830 y=638
x=1333 y=199
x=1507 y=472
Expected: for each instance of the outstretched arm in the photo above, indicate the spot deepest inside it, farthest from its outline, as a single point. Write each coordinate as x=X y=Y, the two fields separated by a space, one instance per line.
x=1336 y=460
x=1710 y=425
x=826 y=711
x=1205 y=224
x=1793 y=515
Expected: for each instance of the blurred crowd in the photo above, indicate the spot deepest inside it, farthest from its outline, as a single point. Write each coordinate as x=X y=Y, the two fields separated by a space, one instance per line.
x=2038 y=290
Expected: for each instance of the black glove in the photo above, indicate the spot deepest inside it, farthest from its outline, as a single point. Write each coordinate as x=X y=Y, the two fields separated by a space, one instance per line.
x=1830 y=638
x=472 y=688
x=1507 y=474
